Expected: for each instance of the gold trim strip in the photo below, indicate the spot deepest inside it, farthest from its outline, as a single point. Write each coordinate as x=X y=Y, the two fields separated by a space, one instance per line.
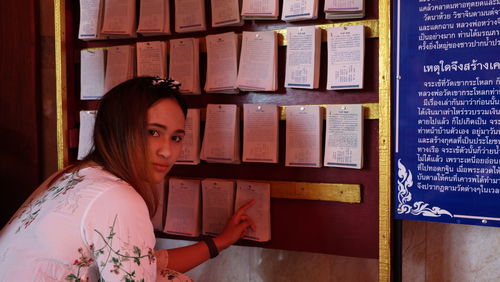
x=385 y=141
x=60 y=65
x=331 y=192
x=345 y=193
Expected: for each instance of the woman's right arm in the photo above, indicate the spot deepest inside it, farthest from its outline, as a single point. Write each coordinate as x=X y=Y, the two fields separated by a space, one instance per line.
x=185 y=258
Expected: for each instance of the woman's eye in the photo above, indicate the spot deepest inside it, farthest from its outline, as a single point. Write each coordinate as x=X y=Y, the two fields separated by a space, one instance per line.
x=153 y=132
x=177 y=138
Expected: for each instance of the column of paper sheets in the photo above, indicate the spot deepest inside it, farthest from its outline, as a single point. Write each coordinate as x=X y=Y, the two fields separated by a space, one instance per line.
x=186 y=216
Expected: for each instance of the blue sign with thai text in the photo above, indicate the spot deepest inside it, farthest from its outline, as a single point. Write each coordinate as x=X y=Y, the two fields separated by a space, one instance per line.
x=446 y=111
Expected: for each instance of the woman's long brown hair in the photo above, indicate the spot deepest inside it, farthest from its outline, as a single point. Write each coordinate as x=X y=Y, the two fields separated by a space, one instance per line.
x=120 y=133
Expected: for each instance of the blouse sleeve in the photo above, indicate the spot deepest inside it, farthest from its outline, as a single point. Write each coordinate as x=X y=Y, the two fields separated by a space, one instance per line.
x=119 y=234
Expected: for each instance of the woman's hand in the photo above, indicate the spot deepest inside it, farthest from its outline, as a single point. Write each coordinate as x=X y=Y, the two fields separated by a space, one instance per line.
x=236 y=227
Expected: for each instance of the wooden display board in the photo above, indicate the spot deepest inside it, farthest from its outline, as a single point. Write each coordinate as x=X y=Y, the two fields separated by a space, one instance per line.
x=323 y=225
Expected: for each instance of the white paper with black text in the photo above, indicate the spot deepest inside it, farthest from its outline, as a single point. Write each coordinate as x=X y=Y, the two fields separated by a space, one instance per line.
x=91 y=14
x=183 y=207
x=303 y=53
x=217 y=205
x=260 y=212
x=344 y=9
x=154 y=17
x=222 y=63
x=346 y=54
x=344 y=136
x=120 y=65
x=226 y=13
x=190 y=152
x=221 y=142
x=299 y=10
x=189 y=16
x=260 y=133
x=119 y=18
x=152 y=58
x=185 y=64
x=92 y=72
x=258 y=61
x=260 y=9
x=304 y=126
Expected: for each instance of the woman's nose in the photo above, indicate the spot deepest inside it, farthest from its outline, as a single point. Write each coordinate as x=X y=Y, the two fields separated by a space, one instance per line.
x=164 y=150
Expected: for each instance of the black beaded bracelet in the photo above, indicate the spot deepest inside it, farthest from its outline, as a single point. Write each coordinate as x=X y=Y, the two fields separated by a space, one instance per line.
x=212 y=248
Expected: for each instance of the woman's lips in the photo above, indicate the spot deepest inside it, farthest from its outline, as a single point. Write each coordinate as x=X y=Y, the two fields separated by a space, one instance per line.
x=161 y=167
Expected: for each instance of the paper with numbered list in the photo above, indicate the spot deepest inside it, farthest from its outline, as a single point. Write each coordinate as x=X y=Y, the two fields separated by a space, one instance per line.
x=304 y=127
x=119 y=65
x=152 y=58
x=260 y=212
x=226 y=13
x=344 y=9
x=346 y=54
x=217 y=204
x=119 y=18
x=303 y=53
x=222 y=63
x=189 y=16
x=260 y=9
x=221 y=142
x=185 y=64
x=154 y=17
x=92 y=70
x=183 y=207
x=158 y=218
x=190 y=152
x=344 y=136
x=260 y=133
x=299 y=10
x=86 y=135
x=258 y=61
x=91 y=13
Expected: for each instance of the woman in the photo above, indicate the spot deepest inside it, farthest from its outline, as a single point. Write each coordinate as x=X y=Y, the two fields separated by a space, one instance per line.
x=92 y=219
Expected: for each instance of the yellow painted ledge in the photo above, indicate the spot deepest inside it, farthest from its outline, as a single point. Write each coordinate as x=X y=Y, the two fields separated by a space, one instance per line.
x=345 y=193
x=331 y=192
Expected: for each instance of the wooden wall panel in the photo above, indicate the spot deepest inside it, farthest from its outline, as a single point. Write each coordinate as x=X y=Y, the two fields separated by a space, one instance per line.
x=315 y=226
x=19 y=104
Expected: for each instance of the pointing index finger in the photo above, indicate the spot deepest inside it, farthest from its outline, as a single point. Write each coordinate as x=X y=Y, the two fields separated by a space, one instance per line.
x=243 y=209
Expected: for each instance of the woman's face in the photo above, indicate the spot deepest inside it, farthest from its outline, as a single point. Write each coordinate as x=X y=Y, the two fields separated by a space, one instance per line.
x=165 y=134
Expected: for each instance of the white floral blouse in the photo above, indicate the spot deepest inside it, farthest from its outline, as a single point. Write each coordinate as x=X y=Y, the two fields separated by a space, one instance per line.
x=88 y=226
